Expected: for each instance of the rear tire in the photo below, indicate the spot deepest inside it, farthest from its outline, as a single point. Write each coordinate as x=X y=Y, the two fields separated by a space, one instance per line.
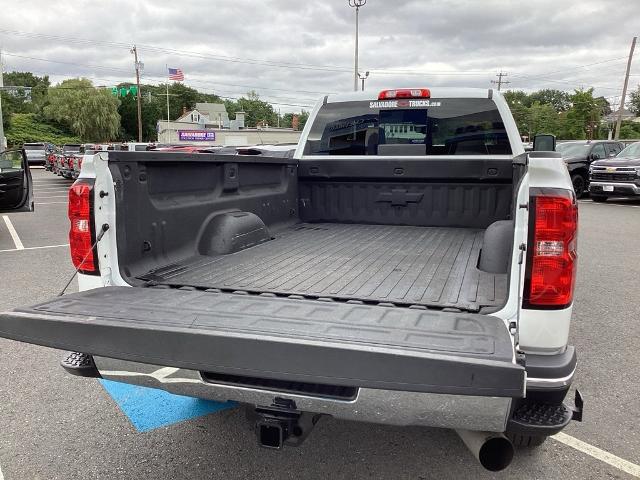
x=526 y=441
x=598 y=198
x=579 y=185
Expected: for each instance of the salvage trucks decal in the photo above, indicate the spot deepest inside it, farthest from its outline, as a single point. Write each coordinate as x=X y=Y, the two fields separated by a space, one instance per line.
x=403 y=103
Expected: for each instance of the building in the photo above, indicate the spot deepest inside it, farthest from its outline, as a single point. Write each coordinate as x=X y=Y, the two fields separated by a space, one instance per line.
x=209 y=124
x=626 y=116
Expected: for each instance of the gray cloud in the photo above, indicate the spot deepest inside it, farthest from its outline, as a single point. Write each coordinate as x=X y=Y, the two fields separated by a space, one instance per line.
x=540 y=43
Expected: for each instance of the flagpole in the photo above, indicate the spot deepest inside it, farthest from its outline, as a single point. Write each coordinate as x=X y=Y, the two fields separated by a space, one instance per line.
x=167 y=68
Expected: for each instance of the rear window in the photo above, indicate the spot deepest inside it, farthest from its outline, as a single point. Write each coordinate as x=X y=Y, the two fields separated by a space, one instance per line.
x=71 y=148
x=33 y=146
x=445 y=126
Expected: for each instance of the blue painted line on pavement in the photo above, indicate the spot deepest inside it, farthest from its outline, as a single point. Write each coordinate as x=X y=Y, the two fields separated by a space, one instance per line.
x=151 y=408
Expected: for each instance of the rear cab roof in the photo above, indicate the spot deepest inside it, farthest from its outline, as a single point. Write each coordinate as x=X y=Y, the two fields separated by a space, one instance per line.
x=511 y=128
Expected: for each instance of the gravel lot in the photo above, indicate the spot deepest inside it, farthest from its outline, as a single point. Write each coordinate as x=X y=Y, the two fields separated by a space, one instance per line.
x=53 y=425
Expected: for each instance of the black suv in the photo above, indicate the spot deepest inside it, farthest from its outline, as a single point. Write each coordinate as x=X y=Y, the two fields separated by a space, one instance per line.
x=578 y=156
x=618 y=176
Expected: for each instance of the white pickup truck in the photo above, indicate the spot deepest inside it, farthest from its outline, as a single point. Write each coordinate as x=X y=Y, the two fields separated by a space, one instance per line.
x=407 y=264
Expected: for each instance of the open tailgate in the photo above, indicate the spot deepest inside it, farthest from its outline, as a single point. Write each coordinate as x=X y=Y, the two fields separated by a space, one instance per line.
x=292 y=339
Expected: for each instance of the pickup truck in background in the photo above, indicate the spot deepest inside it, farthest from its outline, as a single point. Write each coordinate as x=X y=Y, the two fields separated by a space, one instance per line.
x=616 y=177
x=579 y=154
x=407 y=263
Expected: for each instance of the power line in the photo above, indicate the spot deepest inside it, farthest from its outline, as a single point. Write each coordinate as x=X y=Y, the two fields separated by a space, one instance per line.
x=273 y=63
x=115 y=69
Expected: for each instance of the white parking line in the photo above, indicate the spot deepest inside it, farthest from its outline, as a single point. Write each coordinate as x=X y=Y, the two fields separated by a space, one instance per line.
x=13 y=233
x=1 y=476
x=609 y=204
x=595 y=452
x=34 y=248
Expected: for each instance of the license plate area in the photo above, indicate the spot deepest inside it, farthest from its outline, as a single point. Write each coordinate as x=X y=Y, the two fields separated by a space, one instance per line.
x=607 y=188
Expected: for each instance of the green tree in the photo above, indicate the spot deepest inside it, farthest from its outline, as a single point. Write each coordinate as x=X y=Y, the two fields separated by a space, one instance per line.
x=519 y=103
x=89 y=112
x=558 y=99
x=542 y=118
x=152 y=111
x=583 y=117
x=286 y=119
x=630 y=130
x=25 y=100
x=634 y=101
x=256 y=110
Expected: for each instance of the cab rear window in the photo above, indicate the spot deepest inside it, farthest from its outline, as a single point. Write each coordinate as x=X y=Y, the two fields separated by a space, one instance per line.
x=446 y=126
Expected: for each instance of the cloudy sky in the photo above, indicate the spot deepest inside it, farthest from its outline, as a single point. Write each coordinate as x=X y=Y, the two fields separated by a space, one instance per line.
x=292 y=51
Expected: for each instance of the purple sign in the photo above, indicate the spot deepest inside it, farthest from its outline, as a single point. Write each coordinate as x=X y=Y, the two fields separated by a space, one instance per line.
x=196 y=135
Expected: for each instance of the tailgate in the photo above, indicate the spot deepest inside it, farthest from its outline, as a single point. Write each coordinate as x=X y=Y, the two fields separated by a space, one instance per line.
x=273 y=337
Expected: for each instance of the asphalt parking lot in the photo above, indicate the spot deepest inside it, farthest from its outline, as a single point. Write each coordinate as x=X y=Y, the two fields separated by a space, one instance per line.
x=53 y=425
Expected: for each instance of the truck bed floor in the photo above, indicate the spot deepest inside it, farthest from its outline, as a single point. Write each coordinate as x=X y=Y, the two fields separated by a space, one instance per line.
x=431 y=266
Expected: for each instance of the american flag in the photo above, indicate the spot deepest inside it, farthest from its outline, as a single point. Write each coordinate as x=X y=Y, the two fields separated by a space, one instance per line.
x=176 y=74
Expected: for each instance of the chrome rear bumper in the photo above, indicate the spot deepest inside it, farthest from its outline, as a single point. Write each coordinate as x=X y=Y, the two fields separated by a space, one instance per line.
x=391 y=407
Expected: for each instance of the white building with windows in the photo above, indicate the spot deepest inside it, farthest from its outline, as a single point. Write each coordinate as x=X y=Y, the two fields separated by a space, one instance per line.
x=209 y=124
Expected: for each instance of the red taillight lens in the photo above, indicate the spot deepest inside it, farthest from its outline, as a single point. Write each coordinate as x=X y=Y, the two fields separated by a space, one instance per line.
x=404 y=93
x=82 y=232
x=70 y=162
x=552 y=251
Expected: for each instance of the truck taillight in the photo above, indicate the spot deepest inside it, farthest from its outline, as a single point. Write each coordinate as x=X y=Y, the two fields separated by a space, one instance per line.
x=70 y=162
x=552 y=249
x=404 y=93
x=82 y=230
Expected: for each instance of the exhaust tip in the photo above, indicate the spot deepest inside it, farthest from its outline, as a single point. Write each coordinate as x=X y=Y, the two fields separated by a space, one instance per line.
x=496 y=454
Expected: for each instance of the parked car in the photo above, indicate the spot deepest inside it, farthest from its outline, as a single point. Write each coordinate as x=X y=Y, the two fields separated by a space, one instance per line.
x=343 y=280
x=616 y=177
x=37 y=152
x=578 y=156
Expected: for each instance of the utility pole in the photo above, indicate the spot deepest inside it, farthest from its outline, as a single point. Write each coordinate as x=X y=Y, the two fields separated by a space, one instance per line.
x=135 y=55
x=356 y=4
x=499 y=82
x=1 y=85
x=363 y=78
x=624 y=89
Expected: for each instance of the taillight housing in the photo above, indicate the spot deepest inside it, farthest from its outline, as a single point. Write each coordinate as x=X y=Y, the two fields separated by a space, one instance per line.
x=550 y=272
x=404 y=93
x=70 y=162
x=82 y=232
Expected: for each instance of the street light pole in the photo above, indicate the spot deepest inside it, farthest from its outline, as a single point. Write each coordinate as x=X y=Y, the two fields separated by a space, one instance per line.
x=363 y=78
x=356 y=4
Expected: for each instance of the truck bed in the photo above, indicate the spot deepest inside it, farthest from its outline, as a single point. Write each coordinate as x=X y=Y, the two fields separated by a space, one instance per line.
x=406 y=265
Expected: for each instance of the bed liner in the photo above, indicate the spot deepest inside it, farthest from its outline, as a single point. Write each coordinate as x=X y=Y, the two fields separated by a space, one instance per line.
x=404 y=265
